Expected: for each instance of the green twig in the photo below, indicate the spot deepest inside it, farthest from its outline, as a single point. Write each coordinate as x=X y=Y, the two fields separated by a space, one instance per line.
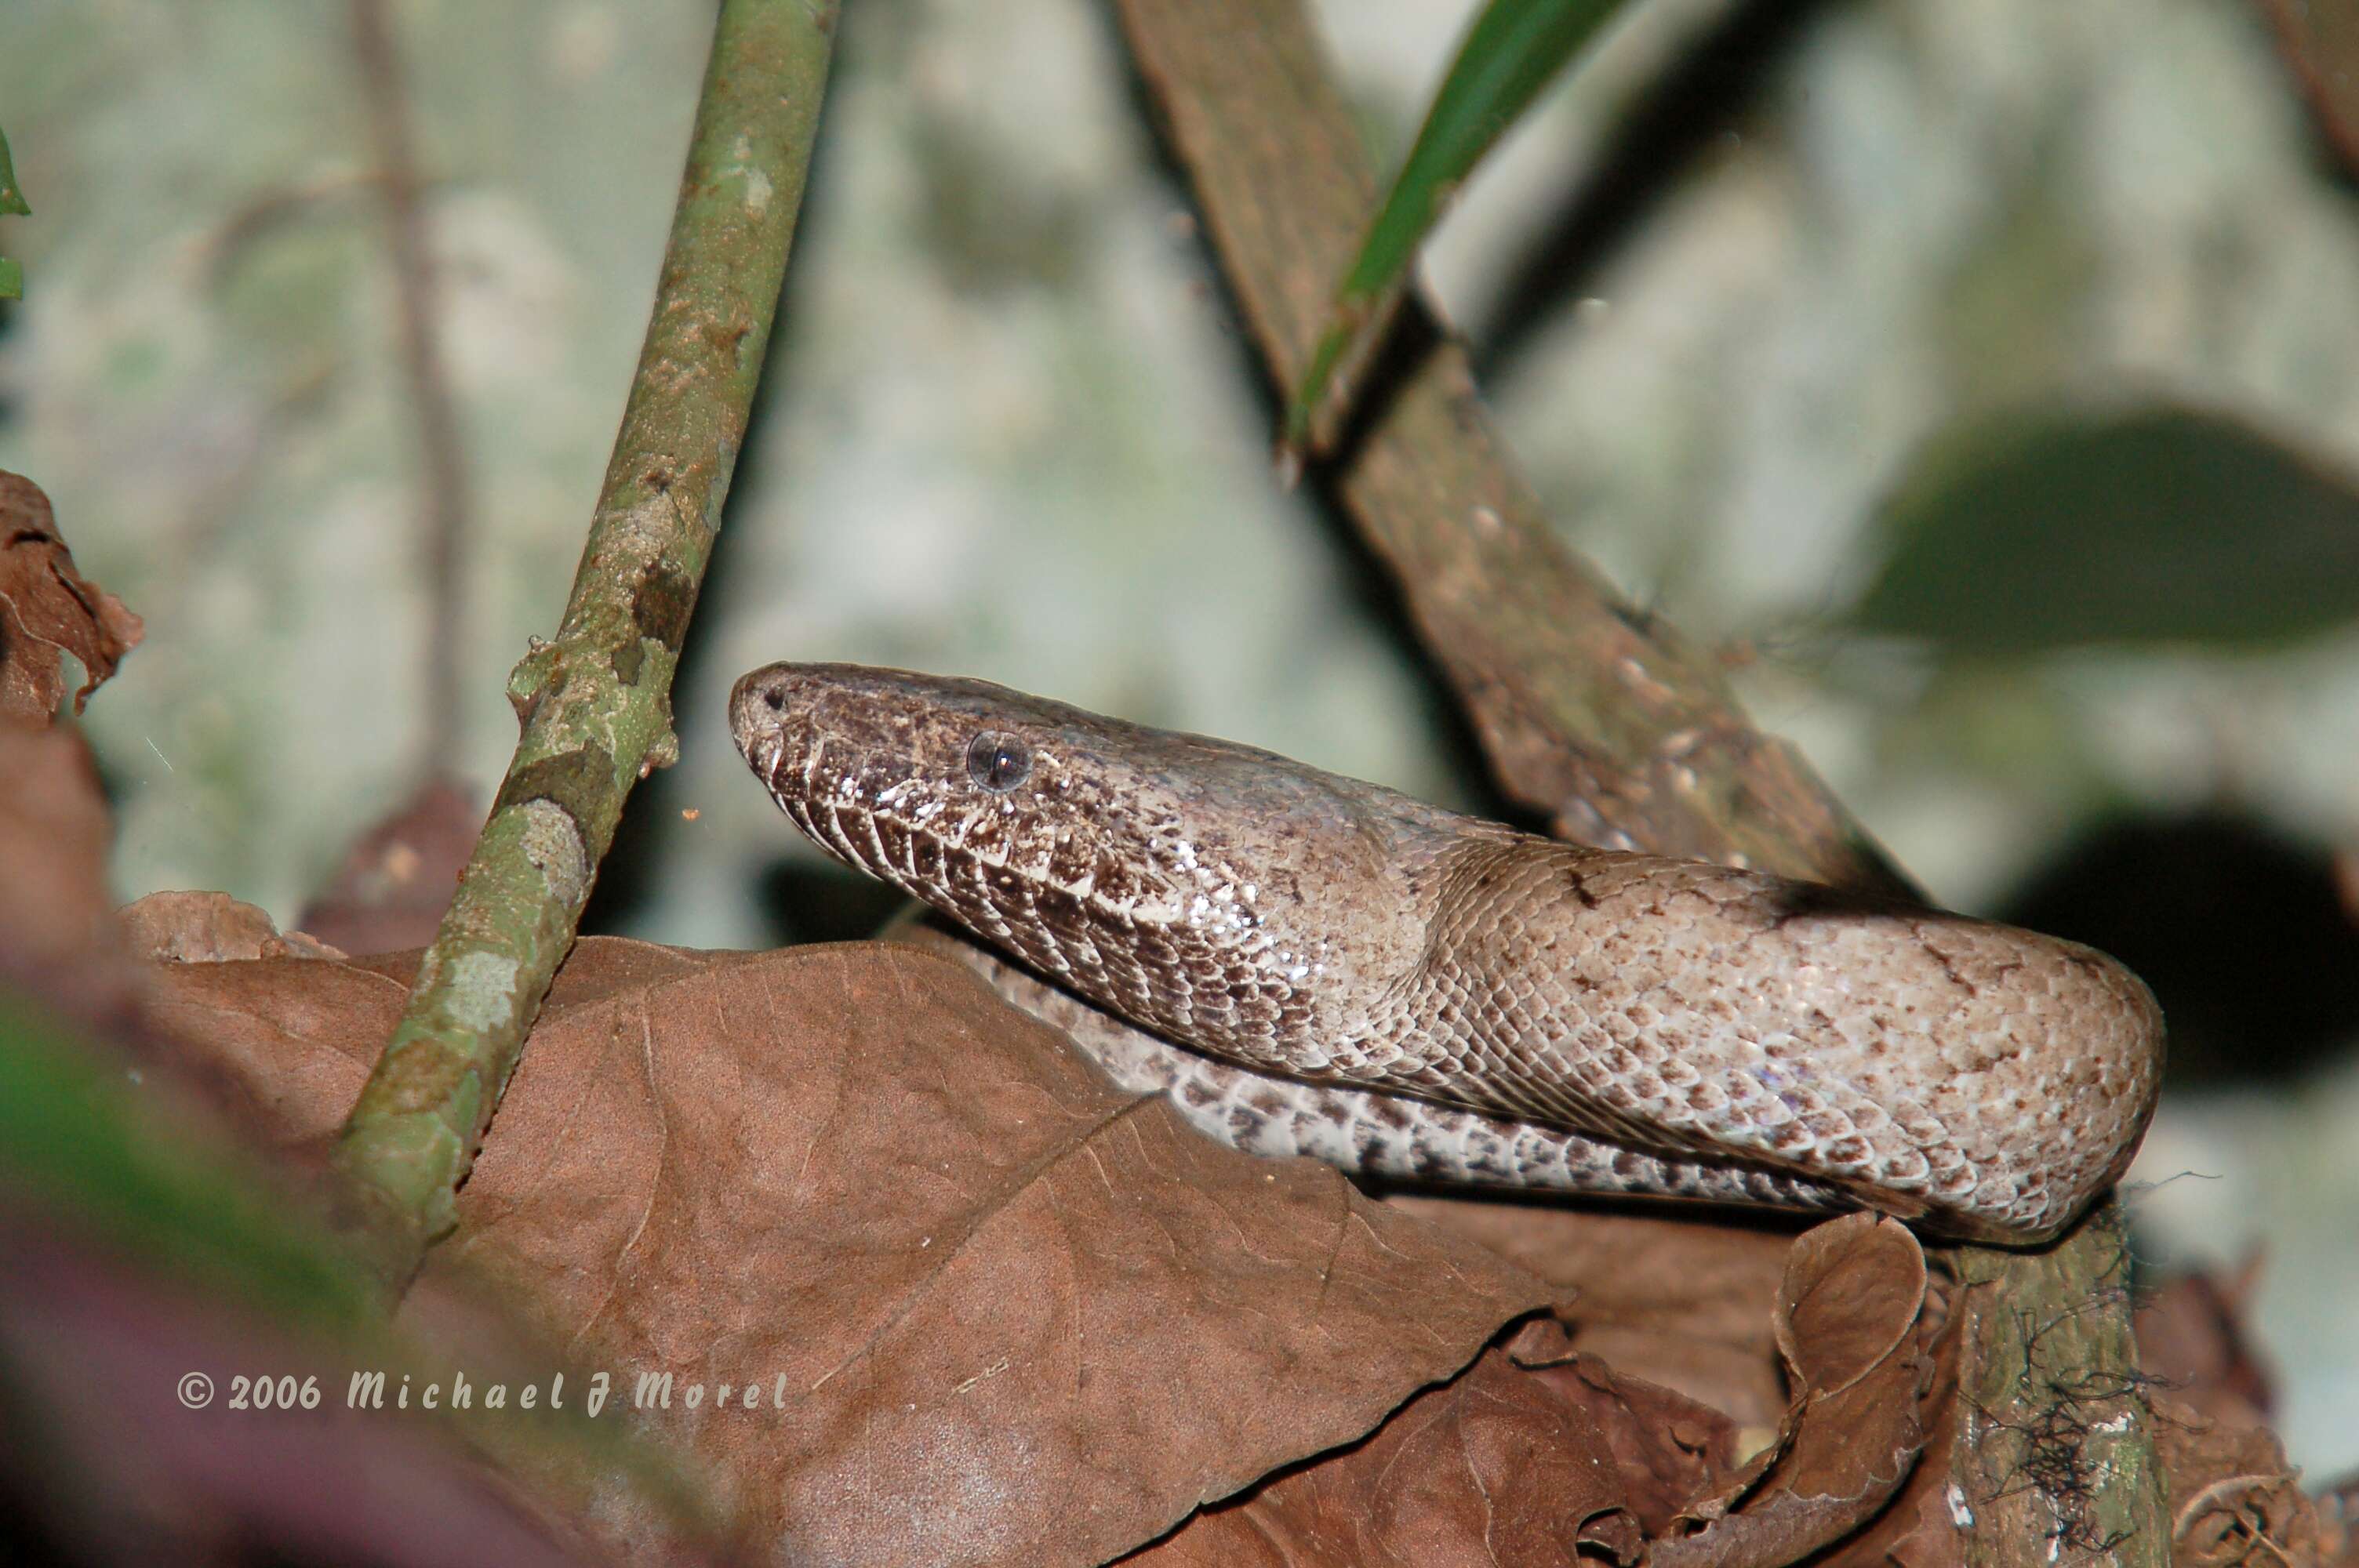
x=1511 y=52
x=12 y=201
x=597 y=701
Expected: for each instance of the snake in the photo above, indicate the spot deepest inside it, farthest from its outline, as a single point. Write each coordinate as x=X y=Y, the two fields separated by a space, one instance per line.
x=1306 y=964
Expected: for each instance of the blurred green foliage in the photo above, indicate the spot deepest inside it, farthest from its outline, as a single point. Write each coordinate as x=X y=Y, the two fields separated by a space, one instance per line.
x=1512 y=50
x=12 y=201
x=78 y=1146
x=2038 y=532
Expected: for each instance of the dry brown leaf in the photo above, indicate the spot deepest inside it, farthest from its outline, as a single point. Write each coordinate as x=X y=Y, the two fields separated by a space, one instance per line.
x=1014 y=1316
x=2233 y=1498
x=1538 y=1454
x=397 y=880
x=49 y=610
x=58 y=940
x=2190 y=1340
x=1665 y=1446
x=1847 y=1325
x=1494 y=1468
x=209 y=929
x=2338 y=1518
x=1669 y=1298
x=1924 y=1525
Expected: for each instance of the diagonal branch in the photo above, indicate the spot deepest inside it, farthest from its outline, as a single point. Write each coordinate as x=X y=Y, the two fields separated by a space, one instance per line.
x=1590 y=710
x=1593 y=711
x=597 y=701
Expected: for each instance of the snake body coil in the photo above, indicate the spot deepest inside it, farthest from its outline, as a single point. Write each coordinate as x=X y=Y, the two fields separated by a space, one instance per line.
x=1321 y=966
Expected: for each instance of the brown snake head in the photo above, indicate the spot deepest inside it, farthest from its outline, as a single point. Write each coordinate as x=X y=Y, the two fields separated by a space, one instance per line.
x=1195 y=886
x=1988 y=1081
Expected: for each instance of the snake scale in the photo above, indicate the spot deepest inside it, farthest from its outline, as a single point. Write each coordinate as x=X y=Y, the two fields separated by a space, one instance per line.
x=1311 y=965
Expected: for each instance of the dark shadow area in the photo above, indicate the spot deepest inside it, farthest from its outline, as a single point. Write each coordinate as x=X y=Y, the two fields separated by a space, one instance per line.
x=1711 y=90
x=1625 y=1205
x=23 y=1539
x=807 y=901
x=2239 y=930
x=8 y=310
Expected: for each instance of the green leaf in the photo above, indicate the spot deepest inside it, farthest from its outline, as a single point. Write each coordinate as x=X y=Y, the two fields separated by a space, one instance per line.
x=1512 y=50
x=74 y=1139
x=83 y=1150
x=12 y=199
x=2149 y=525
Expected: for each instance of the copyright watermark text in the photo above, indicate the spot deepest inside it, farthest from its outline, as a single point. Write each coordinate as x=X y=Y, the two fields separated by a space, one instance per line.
x=376 y=1391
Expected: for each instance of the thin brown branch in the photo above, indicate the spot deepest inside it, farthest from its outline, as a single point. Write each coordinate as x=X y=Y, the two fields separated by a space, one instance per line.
x=1591 y=710
x=444 y=520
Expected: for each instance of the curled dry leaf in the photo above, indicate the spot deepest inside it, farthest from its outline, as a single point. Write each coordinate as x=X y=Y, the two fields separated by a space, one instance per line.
x=989 y=1309
x=2233 y=1498
x=1924 y=1525
x=1847 y=1327
x=1493 y=1467
x=49 y=610
x=1664 y=1295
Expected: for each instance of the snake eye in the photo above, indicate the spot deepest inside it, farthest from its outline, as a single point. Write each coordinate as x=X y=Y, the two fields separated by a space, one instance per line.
x=998 y=761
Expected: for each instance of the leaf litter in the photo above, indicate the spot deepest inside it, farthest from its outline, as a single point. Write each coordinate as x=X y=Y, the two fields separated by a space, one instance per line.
x=972 y=1305
x=992 y=1310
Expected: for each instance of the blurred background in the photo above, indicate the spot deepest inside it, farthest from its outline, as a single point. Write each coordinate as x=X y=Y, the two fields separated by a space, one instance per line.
x=1981 y=380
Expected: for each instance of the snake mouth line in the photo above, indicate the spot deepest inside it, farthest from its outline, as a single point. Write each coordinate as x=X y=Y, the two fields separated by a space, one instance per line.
x=821 y=812
x=821 y=816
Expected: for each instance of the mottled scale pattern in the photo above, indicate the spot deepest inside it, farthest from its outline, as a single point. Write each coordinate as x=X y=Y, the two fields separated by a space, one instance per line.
x=1311 y=965
x=1361 y=1130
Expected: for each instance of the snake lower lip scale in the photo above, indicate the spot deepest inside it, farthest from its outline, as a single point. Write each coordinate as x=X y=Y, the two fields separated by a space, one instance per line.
x=1323 y=966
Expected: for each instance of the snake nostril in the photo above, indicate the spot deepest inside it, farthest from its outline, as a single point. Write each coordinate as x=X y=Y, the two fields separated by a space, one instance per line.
x=775 y=699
